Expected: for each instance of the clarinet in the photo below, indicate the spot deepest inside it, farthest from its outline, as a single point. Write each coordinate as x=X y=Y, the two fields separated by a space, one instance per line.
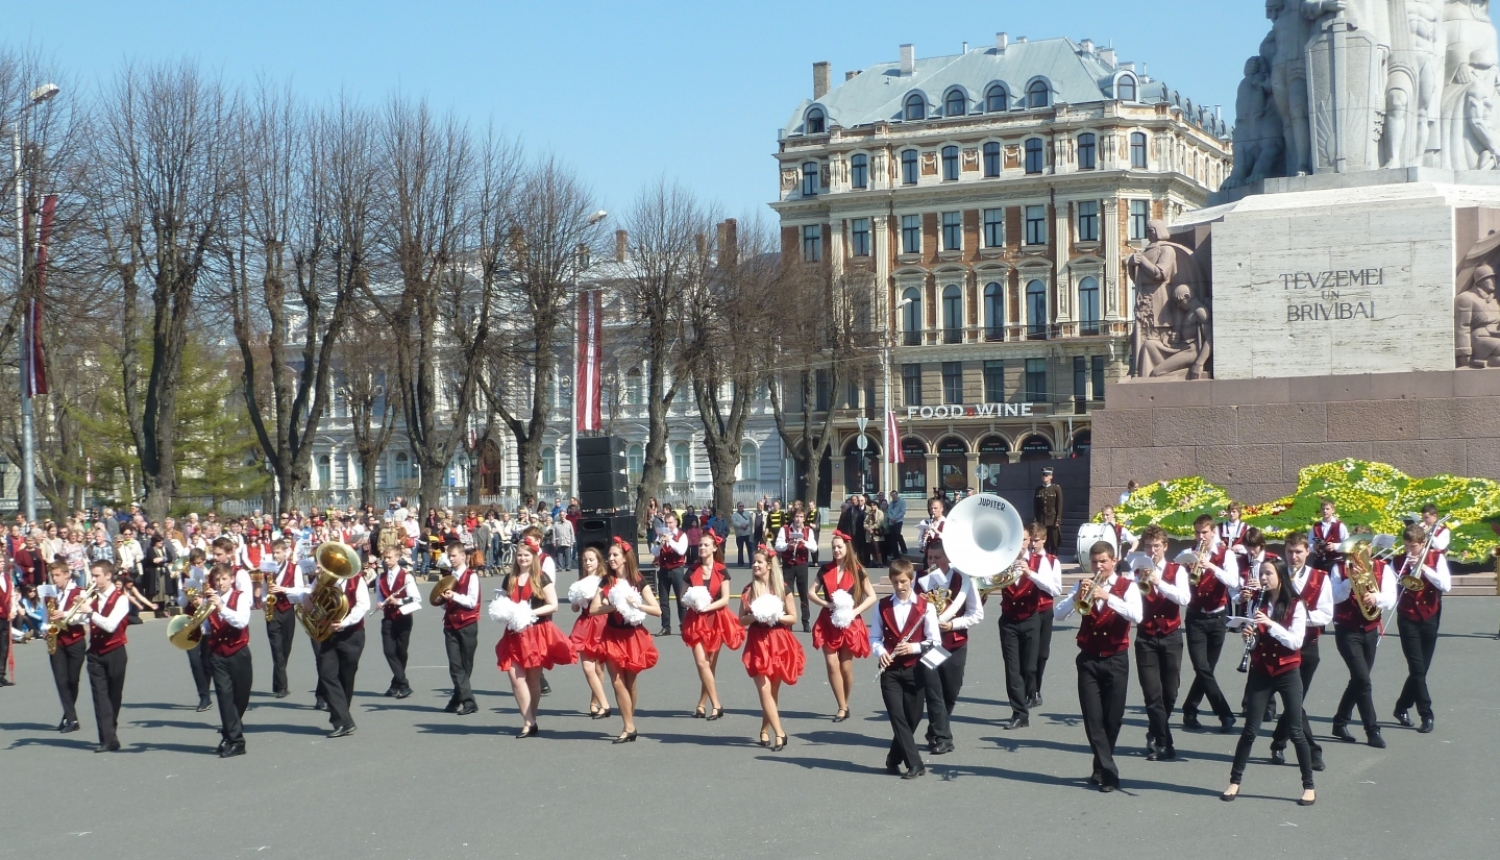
x=1260 y=606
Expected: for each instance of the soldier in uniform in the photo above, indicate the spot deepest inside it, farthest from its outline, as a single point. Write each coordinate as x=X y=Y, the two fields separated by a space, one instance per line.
x=1048 y=508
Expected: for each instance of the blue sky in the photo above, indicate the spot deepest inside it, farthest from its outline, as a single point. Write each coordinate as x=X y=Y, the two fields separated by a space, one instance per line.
x=622 y=92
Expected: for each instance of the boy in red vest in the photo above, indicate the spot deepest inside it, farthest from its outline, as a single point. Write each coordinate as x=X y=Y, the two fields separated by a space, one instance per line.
x=905 y=628
x=1418 y=612
x=228 y=643
x=106 y=655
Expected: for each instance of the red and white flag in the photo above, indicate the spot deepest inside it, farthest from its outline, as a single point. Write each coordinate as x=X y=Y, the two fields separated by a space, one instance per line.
x=893 y=452
x=33 y=359
x=587 y=393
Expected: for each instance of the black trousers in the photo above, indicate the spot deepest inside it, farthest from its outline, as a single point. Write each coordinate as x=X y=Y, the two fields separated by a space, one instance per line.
x=1102 y=685
x=1019 y=644
x=743 y=548
x=895 y=541
x=673 y=580
x=395 y=637
x=941 y=687
x=460 y=645
x=1259 y=688
x=796 y=580
x=1309 y=668
x=1357 y=647
x=67 y=670
x=1043 y=649
x=1158 y=659
x=1054 y=538
x=107 y=683
x=233 y=676
x=280 y=632
x=903 y=693
x=200 y=662
x=338 y=661
x=1205 y=642
x=4 y=642
x=1418 y=642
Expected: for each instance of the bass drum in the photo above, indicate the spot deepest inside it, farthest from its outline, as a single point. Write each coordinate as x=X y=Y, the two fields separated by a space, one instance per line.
x=1090 y=534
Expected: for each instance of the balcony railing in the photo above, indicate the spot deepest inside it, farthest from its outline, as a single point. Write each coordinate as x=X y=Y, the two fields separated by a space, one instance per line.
x=1014 y=332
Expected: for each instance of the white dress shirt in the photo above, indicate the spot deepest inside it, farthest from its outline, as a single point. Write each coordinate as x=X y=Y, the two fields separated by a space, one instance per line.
x=1441 y=537
x=239 y=617
x=929 y=529
x=1385 y=599
x=783 y=541
x=1439 y=576
x=358 y=610
x=1128 y=607
x=467 y=598
x=108 y=623
x=1291 y=637
x=1336 y=534
x=966 y=601
x=1321 y=614
x=901 y=610
x=197 y=576
x=408 y=592
x=678 y=543
x=1181 y=592
x=1048 y=575
x=47 y=589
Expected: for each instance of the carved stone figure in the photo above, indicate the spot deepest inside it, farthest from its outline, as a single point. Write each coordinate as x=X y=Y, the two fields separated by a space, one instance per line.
x=1186 y=340
x=1172 y=335
x=1468 y=131
x=1414 y=85
x=1289 y=33
x=1258 y=145
x=1476 y=322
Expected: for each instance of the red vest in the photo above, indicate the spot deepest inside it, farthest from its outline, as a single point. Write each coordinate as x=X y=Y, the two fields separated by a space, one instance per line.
x=224 y=638
x=1346 y=613
x=1419 y=605
x=1316 y=580
x=891 y=636
x=456 y=617
x=669 y=559
x=1105 y=632
x=1044 y=602
x=253 y=552
x=796 y=554
x=715 y=580
x=392 y=612
x=69 y=635
x=1326 y=533
x=954 y=638
x=1161 y=616
x=1210 y=595
x=101 y=642
x=1022 y=600
x=287 y=575
x=1232 y=534
x=351 y=591
x=1269 y=656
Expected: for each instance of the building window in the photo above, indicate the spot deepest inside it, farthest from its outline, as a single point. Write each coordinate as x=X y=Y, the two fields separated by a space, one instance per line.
x=953 y=314
x=994 y=228
x=916 y=107
x=1088 y=306
x=1080 y=383
x=1125 y=88
x=809 y=179
x=1038 y=94
x=325 y=473
x=549 y=466
x=992 y=159
x=950 y=163
x=994 y=381
x=1139 y=215
x=634 y=394
x=1036 y=310
x=822 y=390
x=911 y=384
x=994 y=311
x=1034 y=161
x=1138 y=150
x=953 y=383
x=1036 y=380
x=812 y=243
x=859 y=171
x=749 y=467
x=1088 y=221
x=859 y=235
x=911 y=234
x=1098 y=378
x=953 y=231
x=1036 y=225
x=635 y=462
x=955 y=103
x=815 y=123
x=996 y=99
x=909 y=167
x=681 y=465
x=402 y=468
x=911 y=316
x=1086 y=151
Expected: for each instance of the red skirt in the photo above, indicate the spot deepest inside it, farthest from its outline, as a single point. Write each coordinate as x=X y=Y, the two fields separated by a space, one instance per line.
x=628 y=649
x=775 y=653
x=712 y=630
x=586 y=632
x=855 y=637
x=540 y=646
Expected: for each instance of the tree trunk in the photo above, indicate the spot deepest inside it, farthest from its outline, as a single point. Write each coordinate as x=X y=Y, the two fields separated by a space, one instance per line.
x=430 y=487
x=529 y=461
x=368 y=463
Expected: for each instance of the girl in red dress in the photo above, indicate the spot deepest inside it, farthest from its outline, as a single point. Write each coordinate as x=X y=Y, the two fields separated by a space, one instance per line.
x=625 y=599
x=773 y=656
x=528 y=645
x=713 y=627
x=588 y=628
x=844 y=591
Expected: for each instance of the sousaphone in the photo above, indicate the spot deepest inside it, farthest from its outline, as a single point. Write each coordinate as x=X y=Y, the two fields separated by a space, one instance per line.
x=983 y=536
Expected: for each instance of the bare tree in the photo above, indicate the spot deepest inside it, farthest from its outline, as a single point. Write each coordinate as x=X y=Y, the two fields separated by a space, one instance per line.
x=366 y=368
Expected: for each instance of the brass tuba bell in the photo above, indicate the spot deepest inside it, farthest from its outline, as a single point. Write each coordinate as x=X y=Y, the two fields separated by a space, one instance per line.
x=327 y=604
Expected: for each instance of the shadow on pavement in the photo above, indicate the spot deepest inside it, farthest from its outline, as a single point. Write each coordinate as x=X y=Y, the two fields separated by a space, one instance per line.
x=71 y=743
x=823 y=764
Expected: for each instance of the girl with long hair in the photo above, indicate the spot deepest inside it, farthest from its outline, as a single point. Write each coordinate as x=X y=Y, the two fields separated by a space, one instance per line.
x=844 y=591
x=773 y=656
x=626 y=599
x=588 y=628
x=708 y=629
x=525 y=604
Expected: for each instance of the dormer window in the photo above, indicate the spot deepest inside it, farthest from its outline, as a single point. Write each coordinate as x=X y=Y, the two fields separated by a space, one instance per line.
x=916 y=107
x=816 y=122
x=996 y=99
x=1125 y=88
x=1038 y=94
x=955 y=103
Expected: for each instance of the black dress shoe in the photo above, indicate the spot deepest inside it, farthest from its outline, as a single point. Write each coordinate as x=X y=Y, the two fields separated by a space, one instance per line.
x=780 y=744
x=1278 y=756
x=1341 y=731
x=70 y=727
x=893 y=768
x=1036 y=700
x=840 y=715
x=914 y=772
x=222 y=744
x=1403 y=718
x=320 y=705
x=664 y=632
x=1106 y=788
x=1166 y=753
x=6 y=682
x=204 y=704
x=451 y=707
x=942 y=748
x=1190 y=722
x=280 y=694
x=546 y=687
x=232 y=750
x=1094 y=778
x=1426 y=727
x=390 y=692
x=716 y=714
x=62 y=724
x=1226 y=724
x=628 y=737
x=1152 y=754
x=1016 y=723
x=467 y=709
x=528 y=732
x=1373 y=738
x=403 y=692
x=342 y=732
x=112 y=746
x=1317 y=759
x=806 y=628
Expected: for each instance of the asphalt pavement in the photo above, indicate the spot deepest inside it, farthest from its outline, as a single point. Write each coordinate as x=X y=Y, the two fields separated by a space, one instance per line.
x=417 y=782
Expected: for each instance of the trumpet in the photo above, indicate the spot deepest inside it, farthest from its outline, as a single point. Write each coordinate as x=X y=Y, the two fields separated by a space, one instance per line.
x=55 y=628
x=1195 y=559
x=1139 y=563
x=1083 y=602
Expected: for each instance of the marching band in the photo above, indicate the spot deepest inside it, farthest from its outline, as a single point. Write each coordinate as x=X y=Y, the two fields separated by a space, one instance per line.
x=918 y=635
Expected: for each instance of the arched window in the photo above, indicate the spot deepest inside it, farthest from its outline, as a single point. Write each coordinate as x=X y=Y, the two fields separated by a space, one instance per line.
x=859 y=171
x=950 y=163
x=749 y=468
x=996 y=99
x=1088 y=306
x=1038 y=94
x=994 y=311
x=634 y=393
x=325 y=473
x=815 y=122
x=1034 y=159
x=681 y=467
x=1125 y=88
x=1036 y=310
x=916 y=107
x=992 y=159
x=635 y=462
x=911 y=316
x=1086 y=151
x=549 y=466
x=809 y=179
x=909 y=167
x=402 y=468
x=1138 y=150
x=953 y=314
x=955 y=103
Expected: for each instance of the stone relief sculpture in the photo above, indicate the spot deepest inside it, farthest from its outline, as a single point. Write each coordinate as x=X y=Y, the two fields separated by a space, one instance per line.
x=1259 y=149
x=1476 y=309
x=1173 y=335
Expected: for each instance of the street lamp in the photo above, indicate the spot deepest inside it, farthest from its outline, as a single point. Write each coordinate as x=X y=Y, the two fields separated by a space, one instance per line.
x=885 y=367
x=41 y=94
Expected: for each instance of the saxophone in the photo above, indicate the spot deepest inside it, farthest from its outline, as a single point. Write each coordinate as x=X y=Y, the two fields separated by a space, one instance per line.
x=55 y=628
x=51 y=629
